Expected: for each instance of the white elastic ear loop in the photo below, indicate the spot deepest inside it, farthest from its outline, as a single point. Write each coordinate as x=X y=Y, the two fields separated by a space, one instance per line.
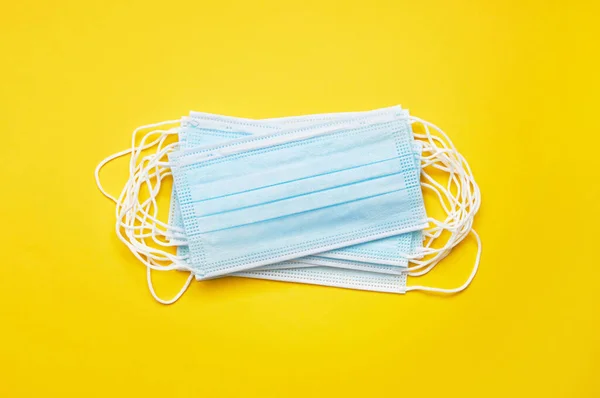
x=184 y=288
x=447 y=224
x=131 y=150
x=461 y=287
x=143 y=175
x=463 y=198
x=120 y=202
x=458 y=230
x=124 y=201
x=460 y=208
x=128 y=204
x=145 y=178
x=155 y=233
x=176 y=232
x=150 y=221
x=148 y=269
x=137 y=245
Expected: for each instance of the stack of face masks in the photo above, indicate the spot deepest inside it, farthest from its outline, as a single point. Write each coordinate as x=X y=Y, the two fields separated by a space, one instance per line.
x=328 y=199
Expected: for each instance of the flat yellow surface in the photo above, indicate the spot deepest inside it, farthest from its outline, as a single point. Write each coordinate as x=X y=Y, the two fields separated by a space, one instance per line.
x=513 y=83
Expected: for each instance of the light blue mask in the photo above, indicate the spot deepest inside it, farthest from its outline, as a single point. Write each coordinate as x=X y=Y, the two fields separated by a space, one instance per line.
x=203 y=129
x=406 y=244
x=342 y=184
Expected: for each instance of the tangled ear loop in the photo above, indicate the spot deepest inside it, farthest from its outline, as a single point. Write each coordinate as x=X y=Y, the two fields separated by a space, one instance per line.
x=128 y=206
x=160 y=172
x=131 y=207
x=460 y=207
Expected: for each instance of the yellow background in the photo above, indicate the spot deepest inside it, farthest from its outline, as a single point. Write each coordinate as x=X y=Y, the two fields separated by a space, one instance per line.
x=513 y=83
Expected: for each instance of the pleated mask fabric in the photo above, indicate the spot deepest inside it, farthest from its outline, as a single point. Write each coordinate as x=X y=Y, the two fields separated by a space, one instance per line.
x=216 y=128
x=303 y=191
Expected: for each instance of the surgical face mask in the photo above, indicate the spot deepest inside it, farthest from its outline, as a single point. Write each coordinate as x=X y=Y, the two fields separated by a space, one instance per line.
x=304 y=191
x=204 y=129
x=222 y=128
x=137 y=220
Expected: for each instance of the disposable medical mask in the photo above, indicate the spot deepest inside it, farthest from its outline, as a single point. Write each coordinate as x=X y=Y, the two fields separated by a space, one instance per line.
x=303 y=191
x=373 y=256
x=460 y=207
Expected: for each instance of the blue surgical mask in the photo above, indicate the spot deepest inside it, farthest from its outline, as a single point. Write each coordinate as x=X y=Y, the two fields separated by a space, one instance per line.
x=384 y=255
x=276 y=156
x=358 y=184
